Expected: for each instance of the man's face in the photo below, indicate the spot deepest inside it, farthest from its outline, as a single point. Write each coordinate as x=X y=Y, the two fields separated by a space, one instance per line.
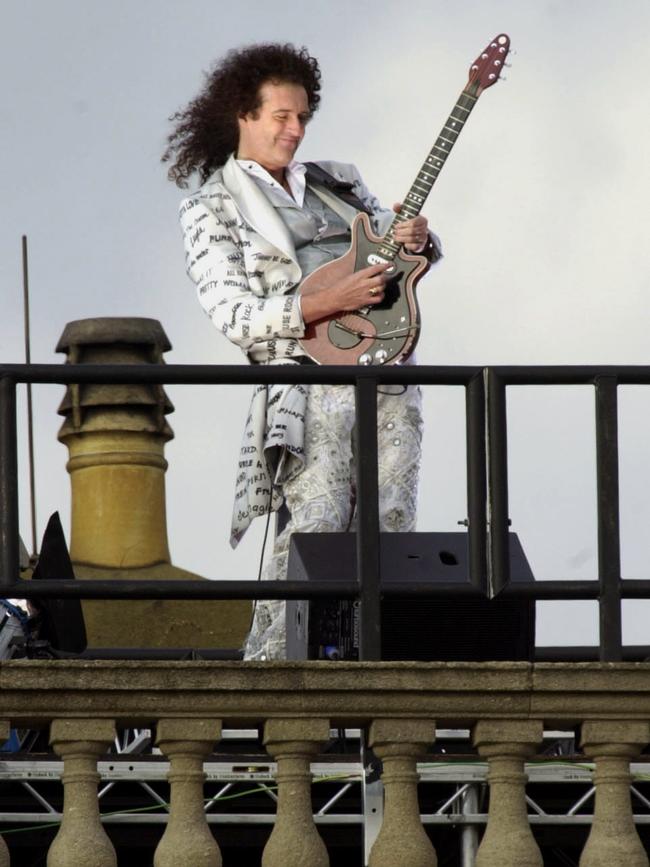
x=270 y=136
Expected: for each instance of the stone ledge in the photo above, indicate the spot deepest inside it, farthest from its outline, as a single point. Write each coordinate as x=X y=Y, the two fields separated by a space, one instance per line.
x=36 y=691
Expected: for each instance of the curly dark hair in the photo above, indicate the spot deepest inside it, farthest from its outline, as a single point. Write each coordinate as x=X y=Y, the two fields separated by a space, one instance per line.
x=206 y=132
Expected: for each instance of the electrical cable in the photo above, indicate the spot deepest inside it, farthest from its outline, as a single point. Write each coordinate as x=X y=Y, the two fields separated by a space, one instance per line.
x=261 y=565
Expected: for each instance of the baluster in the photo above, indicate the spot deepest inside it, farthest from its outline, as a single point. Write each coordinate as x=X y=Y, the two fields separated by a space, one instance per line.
x=402 y=839
x=81 y=840
x=187 y=838
x=4 y=852
x=295 y=842
x=508 y=840
x=613 y=839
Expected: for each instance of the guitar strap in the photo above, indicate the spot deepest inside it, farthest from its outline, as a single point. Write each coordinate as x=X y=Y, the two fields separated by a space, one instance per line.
x=341 y=189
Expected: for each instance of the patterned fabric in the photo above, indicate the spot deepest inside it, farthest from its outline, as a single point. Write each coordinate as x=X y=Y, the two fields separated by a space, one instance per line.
x=242 y=258
x=320 y=497
x=272 y=452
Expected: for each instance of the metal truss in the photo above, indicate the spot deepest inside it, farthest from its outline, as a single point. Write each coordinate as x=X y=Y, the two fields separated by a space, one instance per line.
x=237 y=778
x=225 y=781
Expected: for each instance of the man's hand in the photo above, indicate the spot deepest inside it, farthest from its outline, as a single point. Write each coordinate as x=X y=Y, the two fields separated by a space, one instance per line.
x=361 y=289
x=413 y=233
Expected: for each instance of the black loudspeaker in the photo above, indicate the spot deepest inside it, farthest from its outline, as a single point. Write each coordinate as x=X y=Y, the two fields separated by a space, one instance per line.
x=456 y=627
x=61 y=620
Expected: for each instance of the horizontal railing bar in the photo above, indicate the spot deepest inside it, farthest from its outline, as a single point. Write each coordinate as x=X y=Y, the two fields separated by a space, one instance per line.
x=571 y=374
x=234 y=374
x=152 y=589
x=119 y=588
x=230 y=374
x=573 y=589
x=549 y=590
x=634 y=588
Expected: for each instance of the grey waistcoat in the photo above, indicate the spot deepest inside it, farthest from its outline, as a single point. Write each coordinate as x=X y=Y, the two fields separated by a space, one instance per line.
x=319 y=234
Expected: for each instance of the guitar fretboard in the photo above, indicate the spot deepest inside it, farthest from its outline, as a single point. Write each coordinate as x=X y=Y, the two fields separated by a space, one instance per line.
x=428 y=174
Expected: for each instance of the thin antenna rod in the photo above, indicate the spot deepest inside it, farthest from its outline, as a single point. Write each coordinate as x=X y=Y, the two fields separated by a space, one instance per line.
x=30 y=418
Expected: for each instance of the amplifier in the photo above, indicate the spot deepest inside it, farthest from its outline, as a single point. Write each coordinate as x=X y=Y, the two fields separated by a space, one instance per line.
x=455 y=627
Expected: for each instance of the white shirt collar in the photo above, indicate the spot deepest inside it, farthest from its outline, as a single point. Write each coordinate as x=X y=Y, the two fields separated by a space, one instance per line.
x=294 y=173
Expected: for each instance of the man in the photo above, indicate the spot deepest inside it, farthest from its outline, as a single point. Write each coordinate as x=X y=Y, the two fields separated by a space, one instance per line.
x=259 y=224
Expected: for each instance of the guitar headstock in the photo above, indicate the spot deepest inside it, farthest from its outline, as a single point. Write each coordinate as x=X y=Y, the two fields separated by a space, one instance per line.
x=486 y=69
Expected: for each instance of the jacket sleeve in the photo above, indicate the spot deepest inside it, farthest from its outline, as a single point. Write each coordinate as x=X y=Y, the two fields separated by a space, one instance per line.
x=215 y=262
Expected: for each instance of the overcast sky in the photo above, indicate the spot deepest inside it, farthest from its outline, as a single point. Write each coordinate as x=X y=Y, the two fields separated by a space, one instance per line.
x=542 y=210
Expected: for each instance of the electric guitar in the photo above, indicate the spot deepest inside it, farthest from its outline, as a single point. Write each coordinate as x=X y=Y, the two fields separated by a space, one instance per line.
x=386 y=333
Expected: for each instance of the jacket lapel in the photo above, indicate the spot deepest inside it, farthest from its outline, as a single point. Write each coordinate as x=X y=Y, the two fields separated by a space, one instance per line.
x=256 y=208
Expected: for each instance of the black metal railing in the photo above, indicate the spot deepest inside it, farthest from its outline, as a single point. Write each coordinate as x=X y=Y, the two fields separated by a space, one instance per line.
x=487 y=488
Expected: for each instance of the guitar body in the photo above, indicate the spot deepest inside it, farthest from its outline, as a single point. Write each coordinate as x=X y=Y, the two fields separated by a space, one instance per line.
x=384 y=333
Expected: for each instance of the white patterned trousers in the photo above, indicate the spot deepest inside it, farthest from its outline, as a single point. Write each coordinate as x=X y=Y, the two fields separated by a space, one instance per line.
x=320 y=498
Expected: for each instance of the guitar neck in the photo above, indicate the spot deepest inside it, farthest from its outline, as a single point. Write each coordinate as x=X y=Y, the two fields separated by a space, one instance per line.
x=431 y=167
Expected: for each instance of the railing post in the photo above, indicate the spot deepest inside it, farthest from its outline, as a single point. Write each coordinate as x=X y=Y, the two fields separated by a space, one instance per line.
x=9 y=546
x=295 y=841
x=613 y=841
x=4 y=852
x=368 y=565
x=508 y=840
x=402 y=839
x=187 y=838
x=609 y=546
x=81 y=838
x=476 y=482
x=497 y=449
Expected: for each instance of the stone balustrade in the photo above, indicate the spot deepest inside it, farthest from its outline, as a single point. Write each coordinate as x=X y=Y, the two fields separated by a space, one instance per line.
x=506 y=705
